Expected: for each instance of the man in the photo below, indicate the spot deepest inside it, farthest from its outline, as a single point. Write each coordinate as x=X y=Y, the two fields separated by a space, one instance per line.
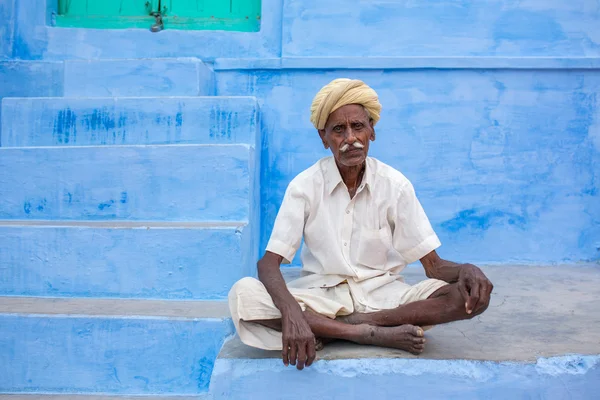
x=362 y=224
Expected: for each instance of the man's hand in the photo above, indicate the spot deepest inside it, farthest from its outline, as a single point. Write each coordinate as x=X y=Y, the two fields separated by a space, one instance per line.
x=298 y=340
x=474 y=287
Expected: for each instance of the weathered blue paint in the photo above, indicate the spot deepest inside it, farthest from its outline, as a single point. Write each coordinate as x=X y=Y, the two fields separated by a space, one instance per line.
x=441 y=28
x=7 y=28
x=145 y=77
x=33 y=39
x=108 y=355
x=26 y=78
x=506 y=163
x=571 y=377
x=110 y=121
x=163 y=183
x=165 y=263
x=490 y=108
x=407 y=62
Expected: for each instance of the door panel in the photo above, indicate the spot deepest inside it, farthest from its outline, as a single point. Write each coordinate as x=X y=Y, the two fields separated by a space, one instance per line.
x=235 y=15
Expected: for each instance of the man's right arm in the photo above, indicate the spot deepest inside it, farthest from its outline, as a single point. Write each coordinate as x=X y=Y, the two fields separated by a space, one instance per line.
x=298 y=340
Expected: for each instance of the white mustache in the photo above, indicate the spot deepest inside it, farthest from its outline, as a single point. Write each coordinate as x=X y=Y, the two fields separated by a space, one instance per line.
x=346 y=147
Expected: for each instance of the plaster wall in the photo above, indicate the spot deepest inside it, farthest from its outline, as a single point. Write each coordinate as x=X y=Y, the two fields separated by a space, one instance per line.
x=46 y=354
x=490 y=108
x=505 y=162
x=441 y=28
x=569 y=377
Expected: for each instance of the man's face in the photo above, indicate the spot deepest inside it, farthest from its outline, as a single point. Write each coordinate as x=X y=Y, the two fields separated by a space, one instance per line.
x=347 y=133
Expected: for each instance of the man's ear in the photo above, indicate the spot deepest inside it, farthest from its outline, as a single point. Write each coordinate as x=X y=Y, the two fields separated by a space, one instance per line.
x=372 y=129
x=372 y=135
x=322 y=135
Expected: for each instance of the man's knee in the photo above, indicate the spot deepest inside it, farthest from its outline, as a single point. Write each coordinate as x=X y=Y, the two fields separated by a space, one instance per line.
x=245 y=285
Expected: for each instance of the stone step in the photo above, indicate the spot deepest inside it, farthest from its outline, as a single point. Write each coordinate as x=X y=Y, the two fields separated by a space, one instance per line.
x=532 y=342
x=116 y=347
x=51 y=396
x=128 y=121
x=135 y=183
x=126 y=260
x=138 y=77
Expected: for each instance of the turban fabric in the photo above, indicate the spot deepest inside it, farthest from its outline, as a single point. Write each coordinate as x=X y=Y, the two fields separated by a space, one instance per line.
x=341 y=92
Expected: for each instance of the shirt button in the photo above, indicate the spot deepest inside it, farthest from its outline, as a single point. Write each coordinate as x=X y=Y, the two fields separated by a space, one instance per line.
x=345 y=243
x=347 y=211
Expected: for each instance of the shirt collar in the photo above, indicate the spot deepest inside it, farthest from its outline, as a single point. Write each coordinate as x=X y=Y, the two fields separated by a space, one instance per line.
x=333 y=177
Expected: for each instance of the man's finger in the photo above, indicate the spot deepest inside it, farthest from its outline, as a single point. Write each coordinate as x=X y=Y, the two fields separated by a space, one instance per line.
x=285 y=352
x=484 y=296
x=301 y=355
x=462 y=289
x=473 y=298
x=311 y=353
x=293 y=352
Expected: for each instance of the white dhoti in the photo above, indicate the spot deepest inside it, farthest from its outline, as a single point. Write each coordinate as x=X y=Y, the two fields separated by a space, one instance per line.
x=250 y=301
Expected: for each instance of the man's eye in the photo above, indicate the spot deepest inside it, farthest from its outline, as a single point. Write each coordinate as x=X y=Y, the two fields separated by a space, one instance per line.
x=337 y=128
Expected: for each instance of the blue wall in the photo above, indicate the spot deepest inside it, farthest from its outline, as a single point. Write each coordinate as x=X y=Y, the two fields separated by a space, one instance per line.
x=505 y=162
x=490 y=108
x=108 y=355
x=568 y=377
x=441 y=28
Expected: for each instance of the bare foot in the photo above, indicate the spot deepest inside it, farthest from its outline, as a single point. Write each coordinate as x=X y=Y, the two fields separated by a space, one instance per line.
x=405 y=337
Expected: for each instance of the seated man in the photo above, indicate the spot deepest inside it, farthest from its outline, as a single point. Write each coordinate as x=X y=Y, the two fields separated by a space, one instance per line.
x=362 y=224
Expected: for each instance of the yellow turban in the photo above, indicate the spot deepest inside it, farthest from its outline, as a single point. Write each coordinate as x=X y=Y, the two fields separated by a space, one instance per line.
x=341 y=92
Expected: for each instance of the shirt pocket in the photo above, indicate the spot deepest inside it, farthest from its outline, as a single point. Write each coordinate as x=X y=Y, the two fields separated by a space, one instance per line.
x=373 y=247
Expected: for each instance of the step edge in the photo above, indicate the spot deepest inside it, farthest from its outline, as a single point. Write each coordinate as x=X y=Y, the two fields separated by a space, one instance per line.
x=56 y=307
x=126 y=224
x=246 y=146
x=97 y=396
x=8 y=98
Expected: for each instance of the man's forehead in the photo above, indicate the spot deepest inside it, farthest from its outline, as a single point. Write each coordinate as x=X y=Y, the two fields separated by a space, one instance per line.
x=350 y=111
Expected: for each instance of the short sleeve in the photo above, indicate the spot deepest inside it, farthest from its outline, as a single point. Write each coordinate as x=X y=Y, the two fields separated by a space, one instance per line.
x=286 y=236
x=413 y=236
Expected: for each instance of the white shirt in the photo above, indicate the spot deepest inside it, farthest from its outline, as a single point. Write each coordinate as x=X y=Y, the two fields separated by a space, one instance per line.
x=366 y=240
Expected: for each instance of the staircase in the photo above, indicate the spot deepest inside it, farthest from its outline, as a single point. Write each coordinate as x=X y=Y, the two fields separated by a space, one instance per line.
x=129 y=208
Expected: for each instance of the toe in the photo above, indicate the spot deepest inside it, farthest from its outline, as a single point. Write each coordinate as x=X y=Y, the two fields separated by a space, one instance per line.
x=416 y=331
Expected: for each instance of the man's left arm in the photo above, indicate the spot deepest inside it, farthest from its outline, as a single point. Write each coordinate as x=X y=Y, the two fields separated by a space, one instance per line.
x=473 y=285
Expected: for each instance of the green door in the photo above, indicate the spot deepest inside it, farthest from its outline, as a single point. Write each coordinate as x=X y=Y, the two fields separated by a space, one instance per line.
x=231 y=15
x=106 y=13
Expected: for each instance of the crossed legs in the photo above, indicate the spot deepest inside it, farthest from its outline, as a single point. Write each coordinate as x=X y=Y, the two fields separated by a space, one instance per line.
x=399 y=327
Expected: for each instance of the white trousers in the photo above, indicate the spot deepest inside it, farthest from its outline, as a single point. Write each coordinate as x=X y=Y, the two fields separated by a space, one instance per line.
x=250 y=301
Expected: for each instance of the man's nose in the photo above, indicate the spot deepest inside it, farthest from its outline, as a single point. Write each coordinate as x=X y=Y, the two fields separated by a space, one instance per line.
x=350 y=136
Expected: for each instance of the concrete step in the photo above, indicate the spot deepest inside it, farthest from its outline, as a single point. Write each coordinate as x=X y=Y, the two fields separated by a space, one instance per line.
x=136 y=183
x=532 y=342
x=53 y=396
x=138 y=77
x=125 y=260
x=128 y=121
x=117 y=347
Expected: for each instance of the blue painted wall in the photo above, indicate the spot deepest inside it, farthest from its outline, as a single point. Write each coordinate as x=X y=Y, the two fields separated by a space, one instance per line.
x=505 y=162
x=441 y=28
x=490 y=108
x=108 y=355
x=160 y=263
x=569 y=377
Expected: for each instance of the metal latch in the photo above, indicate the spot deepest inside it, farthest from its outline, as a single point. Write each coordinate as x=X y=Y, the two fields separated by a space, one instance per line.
x=158 y=23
